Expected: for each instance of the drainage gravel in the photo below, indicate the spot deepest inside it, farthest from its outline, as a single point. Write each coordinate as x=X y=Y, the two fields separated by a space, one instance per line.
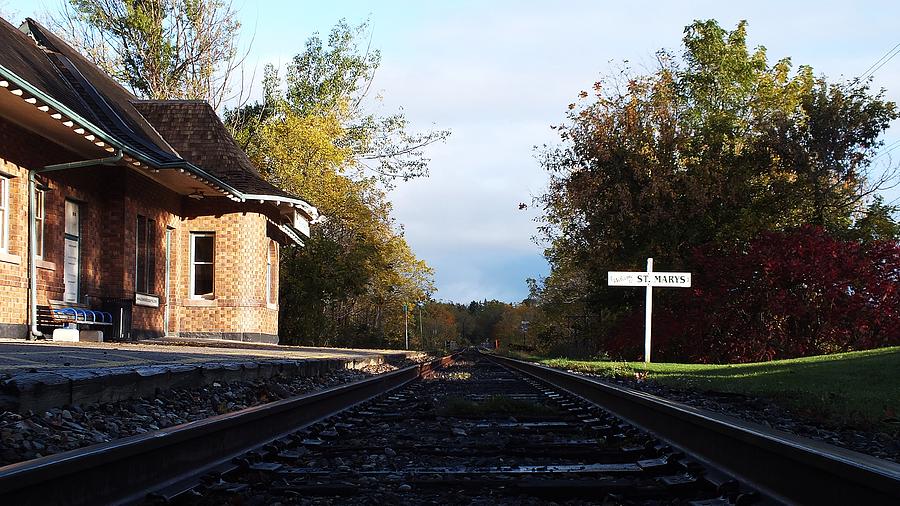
x=30 y=435
x=765 y=412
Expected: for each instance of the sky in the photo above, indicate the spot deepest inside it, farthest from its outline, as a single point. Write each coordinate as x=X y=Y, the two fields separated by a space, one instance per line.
x=500 y=73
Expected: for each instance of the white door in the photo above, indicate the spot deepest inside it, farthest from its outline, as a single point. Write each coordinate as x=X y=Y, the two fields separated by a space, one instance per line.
x=72 y=269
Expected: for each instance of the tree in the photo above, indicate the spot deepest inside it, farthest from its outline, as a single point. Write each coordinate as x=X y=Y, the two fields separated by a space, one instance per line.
x=160 y=49
x=311 y=136
x=716 y=147
x=348 y=284
x=334 y=79
x=876 y=223
x=783 y=295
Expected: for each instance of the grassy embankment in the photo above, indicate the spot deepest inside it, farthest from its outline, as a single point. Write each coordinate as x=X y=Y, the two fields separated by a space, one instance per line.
x=860 y=389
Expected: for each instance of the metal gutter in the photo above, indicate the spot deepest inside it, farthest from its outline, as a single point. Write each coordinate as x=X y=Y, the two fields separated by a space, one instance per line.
x=32 y=264
x=26 y=86
x=110 y=160
x=104 y=136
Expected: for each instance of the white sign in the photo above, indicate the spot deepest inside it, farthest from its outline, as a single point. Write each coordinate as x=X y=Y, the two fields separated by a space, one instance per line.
x=669 y=279
x=649 y=279
x=142 y=299
x=301 y=223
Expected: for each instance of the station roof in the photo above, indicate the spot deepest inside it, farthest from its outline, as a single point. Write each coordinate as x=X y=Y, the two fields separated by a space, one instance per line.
x=194 y=129
x=161 y=134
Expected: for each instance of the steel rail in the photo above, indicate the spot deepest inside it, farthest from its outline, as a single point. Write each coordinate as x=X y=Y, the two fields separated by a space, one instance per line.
x=786 y=467
x=126 y=470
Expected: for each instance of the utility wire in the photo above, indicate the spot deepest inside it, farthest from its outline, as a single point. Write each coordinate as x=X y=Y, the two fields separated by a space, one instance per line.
x=886 y=57
x=881 y=62
x=887 y=149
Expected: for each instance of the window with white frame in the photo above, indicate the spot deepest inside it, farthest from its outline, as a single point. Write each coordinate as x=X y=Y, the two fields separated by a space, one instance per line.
x=202 y=265
x=271 y=281
x=39 y=213
x=4 y=213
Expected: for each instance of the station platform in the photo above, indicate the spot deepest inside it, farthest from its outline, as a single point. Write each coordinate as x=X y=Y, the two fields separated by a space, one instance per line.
x=38 y=375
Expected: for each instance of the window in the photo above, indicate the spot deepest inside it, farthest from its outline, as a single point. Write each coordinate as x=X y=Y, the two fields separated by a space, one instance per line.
x=145 y=258
x=39 y=223
x=4 y=213
x=202 y=265
x=271 y=280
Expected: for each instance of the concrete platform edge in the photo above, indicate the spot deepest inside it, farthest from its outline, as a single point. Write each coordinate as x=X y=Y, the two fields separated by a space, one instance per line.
x=42 y=390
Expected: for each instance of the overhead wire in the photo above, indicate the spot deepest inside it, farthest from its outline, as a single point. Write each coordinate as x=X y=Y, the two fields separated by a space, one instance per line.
x=880 y=62
x=887 y=149
x=869 y=72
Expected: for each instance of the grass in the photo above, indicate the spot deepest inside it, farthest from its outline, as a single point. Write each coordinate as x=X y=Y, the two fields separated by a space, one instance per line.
x=494 y=406
x=858 y=389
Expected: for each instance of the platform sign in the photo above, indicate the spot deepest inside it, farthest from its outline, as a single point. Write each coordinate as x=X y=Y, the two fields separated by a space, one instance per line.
x=662 y=279
x=147 y=300
x=649 y=279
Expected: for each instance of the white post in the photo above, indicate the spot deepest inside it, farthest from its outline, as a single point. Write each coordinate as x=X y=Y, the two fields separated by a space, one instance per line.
x=648 y=280
x=406 y=323
x=648 y=319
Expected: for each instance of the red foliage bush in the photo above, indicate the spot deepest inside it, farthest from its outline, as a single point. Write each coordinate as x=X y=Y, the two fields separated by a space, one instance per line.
x=784 y=295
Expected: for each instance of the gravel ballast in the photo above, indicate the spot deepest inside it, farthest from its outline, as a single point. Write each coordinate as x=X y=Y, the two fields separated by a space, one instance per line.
x=766 y=412
x=31 y=435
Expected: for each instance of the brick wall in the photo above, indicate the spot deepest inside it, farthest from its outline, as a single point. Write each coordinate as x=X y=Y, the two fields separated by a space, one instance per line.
x=241 y=245
x=13 y=263
x=110 y=199
x=17 y=155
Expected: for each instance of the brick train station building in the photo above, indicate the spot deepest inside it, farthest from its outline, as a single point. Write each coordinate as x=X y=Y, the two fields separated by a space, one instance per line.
x=146 y=210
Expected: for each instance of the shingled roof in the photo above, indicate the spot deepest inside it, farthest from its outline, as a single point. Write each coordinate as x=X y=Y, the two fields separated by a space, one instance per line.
x=194 y=129
x=21 y=55
x=104 y=101
x=165 y=133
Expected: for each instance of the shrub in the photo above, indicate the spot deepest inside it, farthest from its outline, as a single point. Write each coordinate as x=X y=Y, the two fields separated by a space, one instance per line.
x=783 y=295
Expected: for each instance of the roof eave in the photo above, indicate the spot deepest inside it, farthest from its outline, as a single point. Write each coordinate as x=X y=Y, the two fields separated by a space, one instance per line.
x=128 y=150
x=228 y=190
x=290 y=232
x=308 y=209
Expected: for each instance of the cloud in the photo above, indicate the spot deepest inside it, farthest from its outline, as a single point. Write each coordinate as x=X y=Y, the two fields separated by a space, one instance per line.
x=486 y=274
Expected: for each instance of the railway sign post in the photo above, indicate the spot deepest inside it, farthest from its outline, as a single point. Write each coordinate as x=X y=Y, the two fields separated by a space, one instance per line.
x=649 y=279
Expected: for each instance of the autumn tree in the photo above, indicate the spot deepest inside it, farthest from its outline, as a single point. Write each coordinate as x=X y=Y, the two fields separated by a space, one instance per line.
x=312 y=135
x=334 y=78
x=717 y=146
x=160 y=49
x=439 y=325
x=483 y=321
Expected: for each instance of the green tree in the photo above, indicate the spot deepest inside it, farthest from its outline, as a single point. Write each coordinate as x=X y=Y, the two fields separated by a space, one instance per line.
x=334 y=79
x=160 y=49
x=876 y=223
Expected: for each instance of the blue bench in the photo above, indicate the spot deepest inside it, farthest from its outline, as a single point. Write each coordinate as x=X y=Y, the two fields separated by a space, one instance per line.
x=79 y=315
x=63 y=314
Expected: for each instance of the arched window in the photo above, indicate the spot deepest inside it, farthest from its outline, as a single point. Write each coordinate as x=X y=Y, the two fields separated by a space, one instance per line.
x=271 y=273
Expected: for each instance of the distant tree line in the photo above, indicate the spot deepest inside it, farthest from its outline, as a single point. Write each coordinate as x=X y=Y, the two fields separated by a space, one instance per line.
x=486 y=321
x=760 y=179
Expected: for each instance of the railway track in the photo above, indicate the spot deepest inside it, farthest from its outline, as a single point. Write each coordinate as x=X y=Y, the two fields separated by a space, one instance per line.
x=167 y=461
x=482 y=430
x=474 y=432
